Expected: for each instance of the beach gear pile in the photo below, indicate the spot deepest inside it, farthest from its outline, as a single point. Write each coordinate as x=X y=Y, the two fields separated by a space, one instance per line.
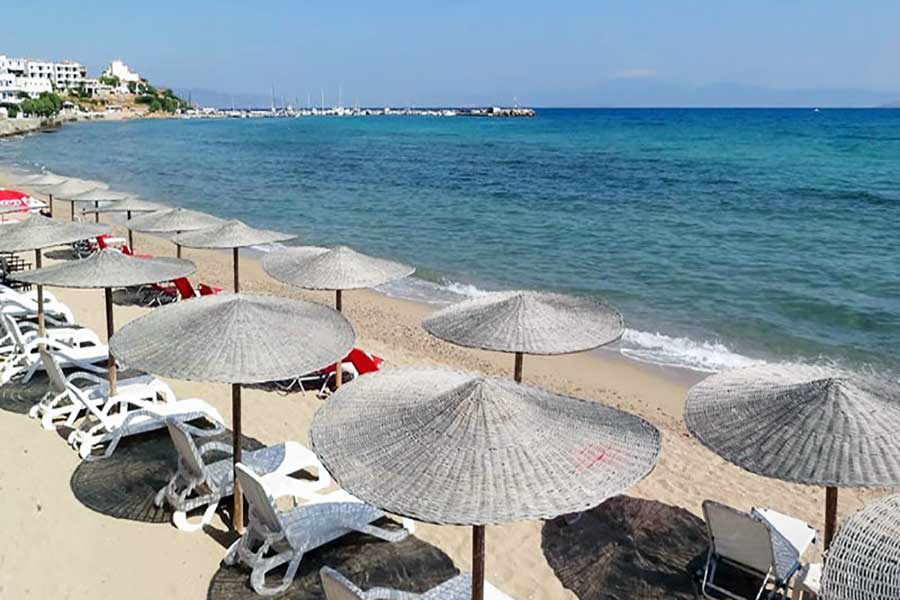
x=414 y=444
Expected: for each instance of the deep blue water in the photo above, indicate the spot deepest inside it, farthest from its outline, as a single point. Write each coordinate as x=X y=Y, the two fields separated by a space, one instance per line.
x=763 y=233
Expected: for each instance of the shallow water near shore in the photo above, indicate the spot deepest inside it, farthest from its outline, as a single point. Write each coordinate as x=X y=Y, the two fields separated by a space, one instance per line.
x=724 y=236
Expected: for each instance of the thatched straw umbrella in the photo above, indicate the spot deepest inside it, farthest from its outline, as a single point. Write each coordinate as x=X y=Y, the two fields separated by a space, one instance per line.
x=97 y=196
x=234 y=235
x=36 y=233
x=109 y=269
x=173 y=220
x=70 y=188
x=525 y=322
x=39 y=181
x=236 y=339
x=803 y=424
x=462 y=449
x=864 y=560
x=128 y=206
x=340 y=268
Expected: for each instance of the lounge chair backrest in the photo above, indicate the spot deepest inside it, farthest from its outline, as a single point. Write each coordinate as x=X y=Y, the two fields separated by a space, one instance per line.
x=184 y=288
x=255 y=493
x=12 y=330
x=101 y=241
x=187 y=450
x=363 y=361
x=738 y=536
x=54 y=372
x=338 y=587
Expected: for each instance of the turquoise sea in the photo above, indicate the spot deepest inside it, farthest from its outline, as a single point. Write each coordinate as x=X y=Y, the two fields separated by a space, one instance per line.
x=723 y=236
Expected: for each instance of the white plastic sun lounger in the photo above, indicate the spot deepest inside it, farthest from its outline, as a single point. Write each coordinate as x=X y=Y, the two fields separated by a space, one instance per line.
x=199 y=484
x=67 y=398
x=749 y=543
x=275 y=537
x=21 y=305
x=338 y=587
x=74 y=347
x=123 y=415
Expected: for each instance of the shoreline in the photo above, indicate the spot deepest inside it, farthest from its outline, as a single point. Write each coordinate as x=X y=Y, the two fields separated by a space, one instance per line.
x=46 y=523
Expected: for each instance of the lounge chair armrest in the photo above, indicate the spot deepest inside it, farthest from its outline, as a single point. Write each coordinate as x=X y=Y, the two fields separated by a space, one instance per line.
x=79 y=375
x=379 y=593
x=183 y=422
x=215 y=446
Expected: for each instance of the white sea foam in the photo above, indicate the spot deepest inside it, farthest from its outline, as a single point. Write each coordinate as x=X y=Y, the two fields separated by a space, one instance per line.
x=661 y=349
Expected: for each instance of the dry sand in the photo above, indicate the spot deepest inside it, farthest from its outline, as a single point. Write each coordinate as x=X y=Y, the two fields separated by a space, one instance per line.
x=54 y=547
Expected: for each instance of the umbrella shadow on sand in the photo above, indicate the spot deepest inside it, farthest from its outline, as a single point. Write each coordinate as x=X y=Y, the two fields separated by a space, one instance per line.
x=123 y=485
x=18 y=397
x=61 y=254
x=627 y=548
x=411 y=565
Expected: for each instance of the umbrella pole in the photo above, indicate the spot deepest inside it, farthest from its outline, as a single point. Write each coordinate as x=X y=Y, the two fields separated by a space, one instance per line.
x=237 y=518
x=478 y=562
x=50 y=204
x=517 y=372
x=237 y=261
x=40 y=294
x=110 y=327
x=339 y=366
x=178 y=251
x=130 y=234
x=96 y=214
x=72 y=207
x=831 y=504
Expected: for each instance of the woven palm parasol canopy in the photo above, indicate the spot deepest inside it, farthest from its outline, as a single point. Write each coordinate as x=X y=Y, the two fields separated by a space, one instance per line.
x=39 y=180
x=109 y=269
x=231 y=234
x=340 y=268
x=804 y=424
x=128 y=206
x=68 y=189
x=459 y=448
x=236 y=339
x=526 y=322
x=863 y=561
x=37 y=232
x=173 y=220
x=96 y=196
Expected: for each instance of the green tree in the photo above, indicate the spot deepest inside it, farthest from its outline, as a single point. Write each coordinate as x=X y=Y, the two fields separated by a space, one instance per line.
x=110 y=80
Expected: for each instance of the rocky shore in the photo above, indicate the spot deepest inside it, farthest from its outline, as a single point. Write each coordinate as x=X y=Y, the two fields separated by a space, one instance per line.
x=9 y=127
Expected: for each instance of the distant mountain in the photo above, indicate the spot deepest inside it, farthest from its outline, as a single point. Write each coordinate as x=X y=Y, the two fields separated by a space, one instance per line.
x=892 y=104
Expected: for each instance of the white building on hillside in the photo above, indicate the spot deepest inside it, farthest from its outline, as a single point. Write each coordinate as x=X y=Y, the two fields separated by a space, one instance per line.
x=22 y=76
x=120 y=70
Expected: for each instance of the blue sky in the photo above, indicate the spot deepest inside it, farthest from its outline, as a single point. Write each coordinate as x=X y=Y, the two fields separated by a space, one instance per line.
x=594 y=53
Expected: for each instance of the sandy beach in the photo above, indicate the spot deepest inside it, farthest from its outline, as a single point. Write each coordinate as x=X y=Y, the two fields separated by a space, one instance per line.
x=55 y=546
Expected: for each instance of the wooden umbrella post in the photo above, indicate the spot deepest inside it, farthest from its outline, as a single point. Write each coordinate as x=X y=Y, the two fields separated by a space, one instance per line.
x=517 y=372
x=236 y=257
x=831 y=505
x=237 y=519
x=478 y=562
x=110 y=328
x=40 y=294
x=339 y=366
x=50 y=204
x=72 y=208
x=96 y=211
x=178 y=251
x=130 y=233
